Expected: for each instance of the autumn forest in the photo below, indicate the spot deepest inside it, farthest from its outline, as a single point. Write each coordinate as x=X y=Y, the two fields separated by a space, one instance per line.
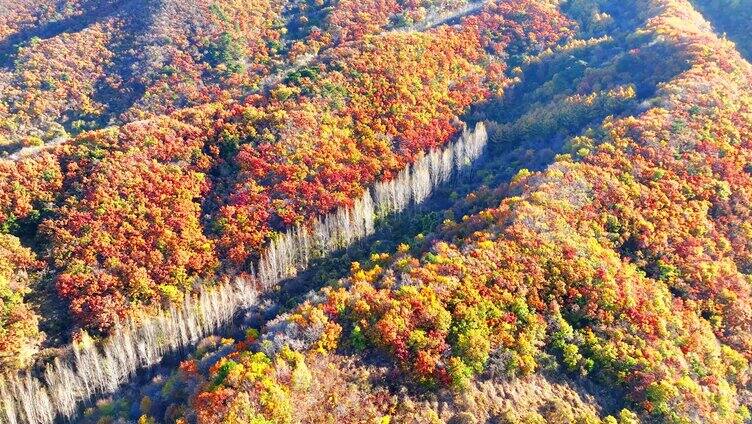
x=375 y=211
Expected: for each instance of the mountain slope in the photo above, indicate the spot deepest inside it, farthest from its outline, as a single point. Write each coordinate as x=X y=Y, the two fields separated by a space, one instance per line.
x=128 y=218
x=168 y=163
x=625 y=262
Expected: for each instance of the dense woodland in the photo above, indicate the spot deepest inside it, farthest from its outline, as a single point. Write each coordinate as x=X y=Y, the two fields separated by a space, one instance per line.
x=594 y=266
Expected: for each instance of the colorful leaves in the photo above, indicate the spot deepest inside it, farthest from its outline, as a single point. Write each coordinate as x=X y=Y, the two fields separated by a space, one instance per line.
x=19 y=332
x=131 y=237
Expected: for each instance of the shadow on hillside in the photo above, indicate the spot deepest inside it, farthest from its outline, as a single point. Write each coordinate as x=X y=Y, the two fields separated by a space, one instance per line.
x=95 y=10
x=729 y=22
x=128 y=62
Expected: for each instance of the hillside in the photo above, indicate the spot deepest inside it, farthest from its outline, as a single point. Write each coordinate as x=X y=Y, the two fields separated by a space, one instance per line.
x=622 y=263
x=127 y=218
x=376 y=211
x=71 y=66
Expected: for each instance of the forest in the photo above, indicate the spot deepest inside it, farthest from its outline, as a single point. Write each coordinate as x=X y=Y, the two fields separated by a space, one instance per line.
x=375 y=211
